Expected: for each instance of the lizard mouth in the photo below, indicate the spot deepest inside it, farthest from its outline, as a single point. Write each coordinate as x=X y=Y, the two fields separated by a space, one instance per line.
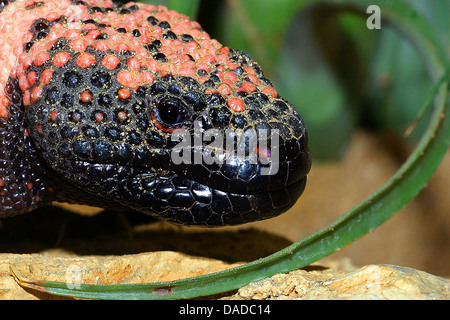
x=181 y=200
x=231 y=193
x=186 y=195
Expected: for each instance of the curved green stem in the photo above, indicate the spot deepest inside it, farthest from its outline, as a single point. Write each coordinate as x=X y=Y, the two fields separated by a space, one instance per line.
x=372 y=212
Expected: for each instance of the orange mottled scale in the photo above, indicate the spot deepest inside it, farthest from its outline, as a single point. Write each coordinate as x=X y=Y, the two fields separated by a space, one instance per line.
x=16 y=20
x=90 y=93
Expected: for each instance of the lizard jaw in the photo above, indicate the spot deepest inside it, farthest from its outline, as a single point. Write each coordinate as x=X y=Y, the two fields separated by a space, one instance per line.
x=174 y=197
x=184 y=201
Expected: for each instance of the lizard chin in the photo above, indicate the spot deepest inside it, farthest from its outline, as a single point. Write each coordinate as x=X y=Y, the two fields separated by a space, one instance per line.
x=230 y=193
x=185 y=194
x=181 y=200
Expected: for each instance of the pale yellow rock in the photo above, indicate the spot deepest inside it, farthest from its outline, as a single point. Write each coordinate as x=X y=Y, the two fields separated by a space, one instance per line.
x=136 y=268
x=327 y=279
x=372 y=282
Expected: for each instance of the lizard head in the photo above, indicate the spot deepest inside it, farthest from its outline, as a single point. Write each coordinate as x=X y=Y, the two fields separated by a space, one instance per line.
x=155 y=116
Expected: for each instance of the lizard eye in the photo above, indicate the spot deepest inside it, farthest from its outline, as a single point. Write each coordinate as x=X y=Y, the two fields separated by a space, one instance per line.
x=170 y=112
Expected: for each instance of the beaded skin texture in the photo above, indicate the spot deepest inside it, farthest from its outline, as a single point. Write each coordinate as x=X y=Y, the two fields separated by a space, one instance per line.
x=90 y=93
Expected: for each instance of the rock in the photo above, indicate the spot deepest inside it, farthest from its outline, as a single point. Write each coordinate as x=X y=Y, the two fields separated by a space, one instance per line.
x=371 y=282
x=65 y=267
x=327 y=279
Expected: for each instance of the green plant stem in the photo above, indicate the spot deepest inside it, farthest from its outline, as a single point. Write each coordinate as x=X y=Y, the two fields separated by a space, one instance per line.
x=372 y=212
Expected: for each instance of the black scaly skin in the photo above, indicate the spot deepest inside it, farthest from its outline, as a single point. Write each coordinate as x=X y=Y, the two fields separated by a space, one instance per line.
x=124 y=163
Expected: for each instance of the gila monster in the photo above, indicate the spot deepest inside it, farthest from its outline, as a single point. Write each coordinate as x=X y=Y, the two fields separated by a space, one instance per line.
x=91 y=92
